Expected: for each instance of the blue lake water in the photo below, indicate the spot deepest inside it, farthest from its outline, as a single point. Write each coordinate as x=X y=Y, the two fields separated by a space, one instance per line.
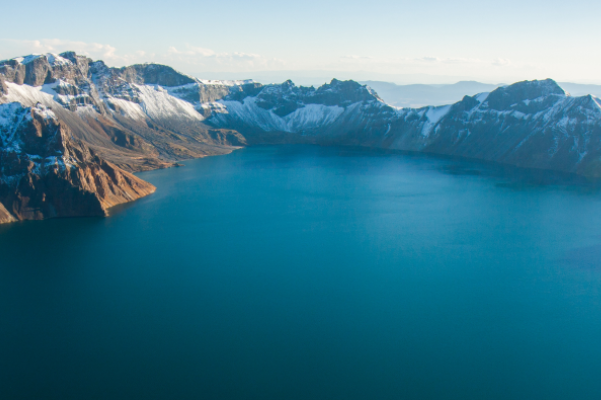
x=300 y=272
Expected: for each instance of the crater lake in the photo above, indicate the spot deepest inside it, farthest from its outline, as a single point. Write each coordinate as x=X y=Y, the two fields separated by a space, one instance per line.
x=305 y=272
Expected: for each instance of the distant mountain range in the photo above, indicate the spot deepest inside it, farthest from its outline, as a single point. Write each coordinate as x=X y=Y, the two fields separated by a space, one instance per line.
x=319 y=77
x=72 y=129
x=420 y=95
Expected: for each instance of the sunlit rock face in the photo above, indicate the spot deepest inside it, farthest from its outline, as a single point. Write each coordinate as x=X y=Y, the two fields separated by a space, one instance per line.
x=45 y=172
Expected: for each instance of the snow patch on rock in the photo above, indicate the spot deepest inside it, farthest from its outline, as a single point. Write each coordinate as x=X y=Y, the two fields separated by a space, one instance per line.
x=157 y=103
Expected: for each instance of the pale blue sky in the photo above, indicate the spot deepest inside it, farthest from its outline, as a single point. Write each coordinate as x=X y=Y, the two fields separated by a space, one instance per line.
x=490 y=41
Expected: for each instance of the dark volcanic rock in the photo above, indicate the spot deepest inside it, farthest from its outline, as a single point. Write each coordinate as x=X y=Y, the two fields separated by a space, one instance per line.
x=154 y=74
x=520 y=94
x=38 y=72
x=13 y=71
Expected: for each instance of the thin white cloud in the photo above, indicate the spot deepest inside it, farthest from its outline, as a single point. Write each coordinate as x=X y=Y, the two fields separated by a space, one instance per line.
x=190 y=58
x=422 y=61
x=92 y=50
x=355 y=57
x=433 y=65
x=191 y=51
x=501 y=62
x=193 y=58
x=207 y=59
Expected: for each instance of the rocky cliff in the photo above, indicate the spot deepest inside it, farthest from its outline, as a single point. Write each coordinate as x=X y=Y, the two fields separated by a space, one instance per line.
x=46 y=172
x=72 y=129
x=335 y=113
x=140 y=117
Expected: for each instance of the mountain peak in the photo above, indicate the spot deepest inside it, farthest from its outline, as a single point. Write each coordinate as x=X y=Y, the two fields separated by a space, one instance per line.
x=51 y=58
x=155 y=74
x=505 y=97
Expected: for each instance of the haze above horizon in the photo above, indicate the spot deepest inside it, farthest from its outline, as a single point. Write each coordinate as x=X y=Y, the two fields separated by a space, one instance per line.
x=404 y=42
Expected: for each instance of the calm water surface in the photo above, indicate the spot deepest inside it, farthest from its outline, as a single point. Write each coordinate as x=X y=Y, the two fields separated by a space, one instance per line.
x=301 y=272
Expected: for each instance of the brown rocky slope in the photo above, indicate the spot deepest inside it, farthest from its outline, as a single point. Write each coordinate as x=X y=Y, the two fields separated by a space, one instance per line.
x=72 y=131
x=46 y=172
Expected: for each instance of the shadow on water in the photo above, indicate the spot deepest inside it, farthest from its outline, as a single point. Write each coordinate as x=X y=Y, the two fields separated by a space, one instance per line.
x=45 y=248
x=460 y=170
x=54 y=227
x=506 y=176
x=121 y=208
x=521 y=179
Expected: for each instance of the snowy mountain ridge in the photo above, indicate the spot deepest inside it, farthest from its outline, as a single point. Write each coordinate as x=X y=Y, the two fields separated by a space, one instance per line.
x=65 y=118
x=532 y=124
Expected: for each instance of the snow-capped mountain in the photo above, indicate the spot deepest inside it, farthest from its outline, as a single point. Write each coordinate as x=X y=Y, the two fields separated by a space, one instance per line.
x=285 y=112
x=140 y=117
x=530 y=124
x=117 y=119
x=46 y=172
x=69 y=125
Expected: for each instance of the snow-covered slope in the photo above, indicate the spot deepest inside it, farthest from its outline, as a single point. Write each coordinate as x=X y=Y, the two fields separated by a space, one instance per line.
x=331 y=111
